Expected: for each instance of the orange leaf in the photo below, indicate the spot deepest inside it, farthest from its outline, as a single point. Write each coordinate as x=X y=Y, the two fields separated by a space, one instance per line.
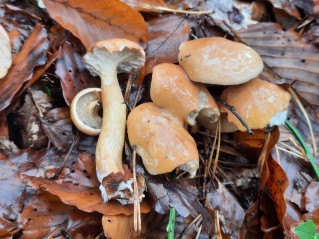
x=87 y=199
x=93 y=21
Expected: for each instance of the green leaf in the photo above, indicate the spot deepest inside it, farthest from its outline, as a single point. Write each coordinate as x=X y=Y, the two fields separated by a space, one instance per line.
x=306 y=230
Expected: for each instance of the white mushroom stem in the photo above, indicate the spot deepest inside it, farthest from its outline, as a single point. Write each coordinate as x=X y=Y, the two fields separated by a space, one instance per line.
x=111 y=140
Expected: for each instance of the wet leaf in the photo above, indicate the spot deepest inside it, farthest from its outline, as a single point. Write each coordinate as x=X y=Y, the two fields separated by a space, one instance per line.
x=58 y=126
x=182 y=198
x=72 y=72
x=166 y=35
x=218 y=198
x=99 y=21
x=5 y=52
x=12 y=191
x=32 y=54
x=296 y=62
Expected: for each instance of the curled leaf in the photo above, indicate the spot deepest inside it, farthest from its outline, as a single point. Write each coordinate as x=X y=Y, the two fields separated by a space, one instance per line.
x=5 y=52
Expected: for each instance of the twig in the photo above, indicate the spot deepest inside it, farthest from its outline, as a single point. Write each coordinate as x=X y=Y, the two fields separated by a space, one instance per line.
x=217 y=225
x=218 y=148
x=127 y=93
x=305 y=147
x=199 y=231
x=289 y=152
x=137 y=95
x=190 y=225
x=137 y=208
x=233 y=111
x=293 y=149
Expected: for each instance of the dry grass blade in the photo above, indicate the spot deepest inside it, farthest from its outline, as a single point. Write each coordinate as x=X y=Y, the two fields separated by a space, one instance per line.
x=137 y=207
x=218 y=148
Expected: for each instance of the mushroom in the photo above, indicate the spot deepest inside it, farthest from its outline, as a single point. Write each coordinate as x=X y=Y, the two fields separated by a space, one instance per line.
x=258 y=102
x=85 y=111
x=172 y=90
x=161 y=140
x=219 y=61
x=106 y=59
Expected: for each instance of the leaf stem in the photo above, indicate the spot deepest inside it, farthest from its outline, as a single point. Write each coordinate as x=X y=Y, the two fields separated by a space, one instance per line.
x=304 y=146
x=171 y=224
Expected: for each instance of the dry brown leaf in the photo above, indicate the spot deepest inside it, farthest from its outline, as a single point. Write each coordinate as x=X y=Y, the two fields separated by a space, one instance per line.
x=288 y=56
x=72 y=72
x=32 y=54
x=166 y=35
x=232 y=214
x=118 y=226
x=5 y=52
x=99 y=20
x=85 y=198
x=287 y=6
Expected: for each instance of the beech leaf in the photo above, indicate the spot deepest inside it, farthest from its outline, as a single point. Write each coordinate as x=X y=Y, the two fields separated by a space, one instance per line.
x=95 y=21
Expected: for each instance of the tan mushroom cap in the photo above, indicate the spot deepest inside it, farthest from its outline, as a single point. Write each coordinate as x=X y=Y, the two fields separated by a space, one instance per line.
x=172 y=90
x=84 y=111
x=219 y=61
x=258 y=102
x=161 y=140
x=124 y=54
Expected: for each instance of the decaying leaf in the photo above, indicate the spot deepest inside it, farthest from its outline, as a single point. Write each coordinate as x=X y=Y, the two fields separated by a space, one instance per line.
x=5 y=52
x=32 y=54
x=166 y=35
x=296 y=62
x=145 y=5
x=58 y=126
x=72 y=72
x=232 y=214
x=101 y=20
x=183 y=198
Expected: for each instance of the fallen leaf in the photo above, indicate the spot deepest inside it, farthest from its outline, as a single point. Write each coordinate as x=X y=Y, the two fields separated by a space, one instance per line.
x=219 y=199
x=58 y=126
x=294 y=61
x=72 y=72
x=118 y=226
x=287 y=6
x=182 y=198
x=43 y=214
x=166 y=35
x=311 y=196
x=12 y=192
x=85 y=198
x=5 y=52
x=98 y=21
x=32 y=54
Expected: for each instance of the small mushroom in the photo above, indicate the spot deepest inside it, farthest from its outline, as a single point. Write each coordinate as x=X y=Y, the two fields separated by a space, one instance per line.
x=106 y=59
x=219 y=61
x=258 y=102
x=172 y=90
x=85 y=111
x=161 y=140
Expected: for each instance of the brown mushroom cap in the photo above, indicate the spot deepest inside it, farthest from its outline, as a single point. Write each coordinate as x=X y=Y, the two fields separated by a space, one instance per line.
x=84 y=111
x=219 y=61
x=161 y=140
x=172 y=90
x=257 y=102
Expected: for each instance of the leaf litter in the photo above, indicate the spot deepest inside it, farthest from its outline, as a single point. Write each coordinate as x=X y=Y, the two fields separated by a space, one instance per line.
x=50 y=182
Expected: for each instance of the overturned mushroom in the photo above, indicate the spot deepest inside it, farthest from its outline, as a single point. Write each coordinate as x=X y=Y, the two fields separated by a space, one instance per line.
x=106 y=59
x=172 y=90
x=219 y=61
x=161 y=140
x=258 y=102
x=85 y=111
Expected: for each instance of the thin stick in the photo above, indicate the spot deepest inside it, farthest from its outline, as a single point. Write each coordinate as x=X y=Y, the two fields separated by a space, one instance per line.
x=137 y=210
x=218 y=148
x=199 y=231
x=234 y=112
x=137 y=95
x=217 y=225
x=277 y=154
x=127 y=93
x=165 y=9
x=291 y=148
x=296 y=98
x=191 y=224
x=292 y=153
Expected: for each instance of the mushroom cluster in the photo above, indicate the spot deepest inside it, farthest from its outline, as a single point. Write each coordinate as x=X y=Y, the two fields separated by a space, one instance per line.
x=180 y=98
